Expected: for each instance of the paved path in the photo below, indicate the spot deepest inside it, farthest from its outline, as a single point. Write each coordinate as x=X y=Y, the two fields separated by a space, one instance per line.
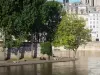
x=4 y=64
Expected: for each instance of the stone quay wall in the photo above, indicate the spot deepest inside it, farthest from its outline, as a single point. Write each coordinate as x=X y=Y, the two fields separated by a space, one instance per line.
x=57 y=51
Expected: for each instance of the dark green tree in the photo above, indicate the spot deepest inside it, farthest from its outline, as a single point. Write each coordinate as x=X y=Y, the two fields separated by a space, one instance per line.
x=52 y=15
x=25 y=18
x=21 y=18
x=46 y=48
x=11 y=22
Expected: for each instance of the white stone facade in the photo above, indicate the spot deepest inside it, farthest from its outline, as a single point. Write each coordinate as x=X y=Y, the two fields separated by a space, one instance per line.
x=91 y=2
x=94 y=25
x=90 y=11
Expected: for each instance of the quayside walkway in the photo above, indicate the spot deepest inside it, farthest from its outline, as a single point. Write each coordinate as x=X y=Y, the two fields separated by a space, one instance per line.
x=5 y=63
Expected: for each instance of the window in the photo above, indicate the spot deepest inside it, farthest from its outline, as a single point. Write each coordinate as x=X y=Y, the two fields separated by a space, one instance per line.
x=97 y=39
x=90 y=18
x=93 y=26
x=97 y=35
x=90 y=26
x=90 y=22
x=82 y=11
x=97 y=22
x=94 y=22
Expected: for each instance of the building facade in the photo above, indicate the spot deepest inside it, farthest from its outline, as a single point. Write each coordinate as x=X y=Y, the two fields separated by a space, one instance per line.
x=94 y=25
x=91 y=2
x=90 y=11
x=92 y=20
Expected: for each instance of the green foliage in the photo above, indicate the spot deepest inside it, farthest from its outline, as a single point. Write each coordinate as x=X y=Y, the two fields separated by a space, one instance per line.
x=51 y=13
x=20 y=18
x=46 y=48
x=71 y=32
x=63 y=12
x=25 y=18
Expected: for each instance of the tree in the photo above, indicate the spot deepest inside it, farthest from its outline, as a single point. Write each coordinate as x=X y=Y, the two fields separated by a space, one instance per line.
x=46 y=48
x=51 y=13
x=71 y=33
x=36 y=27
x=20 y=18
x=11 y=22
x=24 y=18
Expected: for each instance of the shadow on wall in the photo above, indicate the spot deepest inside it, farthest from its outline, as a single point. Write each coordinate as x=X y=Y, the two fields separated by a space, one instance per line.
x=25 y=47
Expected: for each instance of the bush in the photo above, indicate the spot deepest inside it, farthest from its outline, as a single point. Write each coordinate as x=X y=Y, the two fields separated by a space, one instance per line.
x=46 y=48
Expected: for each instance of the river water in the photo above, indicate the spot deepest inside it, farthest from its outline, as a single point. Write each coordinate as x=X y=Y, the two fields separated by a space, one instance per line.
x=79 y=67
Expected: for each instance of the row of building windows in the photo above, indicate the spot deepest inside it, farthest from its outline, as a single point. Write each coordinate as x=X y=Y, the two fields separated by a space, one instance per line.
x=96 y=15
x=94 y=22
x=93 y=26
x=94 y=19
x=95 y=33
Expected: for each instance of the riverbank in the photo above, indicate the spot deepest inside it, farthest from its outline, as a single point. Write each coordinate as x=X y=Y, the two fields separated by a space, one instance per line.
x=18 y=63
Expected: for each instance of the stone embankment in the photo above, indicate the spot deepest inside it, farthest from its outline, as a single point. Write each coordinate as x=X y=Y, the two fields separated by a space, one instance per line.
x=87 y=46
x=57 y=51
x=18 y=63
x=90 y=46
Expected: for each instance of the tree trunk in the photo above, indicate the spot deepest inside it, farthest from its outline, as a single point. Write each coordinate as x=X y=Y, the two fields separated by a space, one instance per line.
x=8 y=54
x=74 y=68
x=32 y=45
x=48 y=57
x=36 y=41
x=35 y=50
x=5 y=55
x=74 y=53
x=18 y=55
x=4 y=48
x=69 y=53
x=22 y=54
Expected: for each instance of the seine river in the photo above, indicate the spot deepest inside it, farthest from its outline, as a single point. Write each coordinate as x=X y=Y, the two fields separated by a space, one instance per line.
x=79 y=67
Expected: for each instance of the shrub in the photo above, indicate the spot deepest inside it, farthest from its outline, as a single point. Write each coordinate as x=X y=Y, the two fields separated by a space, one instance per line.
x=46 y=48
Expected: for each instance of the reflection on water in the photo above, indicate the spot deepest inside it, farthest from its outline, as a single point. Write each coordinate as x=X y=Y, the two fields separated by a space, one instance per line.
x=79 y=67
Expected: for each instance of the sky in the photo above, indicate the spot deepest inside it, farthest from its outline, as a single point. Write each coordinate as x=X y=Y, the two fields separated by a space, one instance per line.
x=69 y=1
